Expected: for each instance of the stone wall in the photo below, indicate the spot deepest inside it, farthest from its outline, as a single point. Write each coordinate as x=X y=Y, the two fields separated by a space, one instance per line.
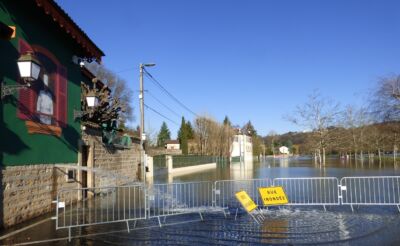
x=28 y=191
x=112 y=166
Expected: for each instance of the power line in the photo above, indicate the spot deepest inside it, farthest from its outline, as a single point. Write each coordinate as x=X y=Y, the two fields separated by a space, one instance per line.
x=156 y=82
x=165 y=117
x=125 y=70
x=155 y=98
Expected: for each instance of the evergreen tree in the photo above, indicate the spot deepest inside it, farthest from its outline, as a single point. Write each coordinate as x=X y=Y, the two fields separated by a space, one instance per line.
x=183 y=136
x=163 y=135
x=190 y=131
x=249 y=129
x=227 y=122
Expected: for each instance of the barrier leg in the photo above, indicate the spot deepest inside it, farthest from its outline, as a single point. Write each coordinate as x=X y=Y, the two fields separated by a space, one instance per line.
x=134 y=224
x=236 y=213
x=201 y=216
x=352 y=209
x=398 y=208
x=69 y=234
x=254 y=218
x=127 y=226
x=159 y=221
x=324 y=208
x=223 y=211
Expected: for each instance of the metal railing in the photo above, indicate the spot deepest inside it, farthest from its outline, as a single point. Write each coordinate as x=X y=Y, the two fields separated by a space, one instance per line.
x=101 y=206
x=310 y=191
x=224 y=191
x=373 y=190
x=179 y=198
x=135 y=202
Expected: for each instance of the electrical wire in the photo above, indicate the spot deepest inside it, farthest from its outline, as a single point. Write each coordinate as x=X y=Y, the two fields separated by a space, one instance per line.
x=156 y=82
x=155 y=98
x=165 y=117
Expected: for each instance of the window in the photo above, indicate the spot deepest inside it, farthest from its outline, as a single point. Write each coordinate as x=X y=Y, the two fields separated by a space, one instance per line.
x=71 y=175
x=44 y=105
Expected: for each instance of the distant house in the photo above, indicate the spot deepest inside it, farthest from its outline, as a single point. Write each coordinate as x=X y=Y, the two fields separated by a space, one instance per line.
x=172 y=144
x=284 y=150
x=242 y=148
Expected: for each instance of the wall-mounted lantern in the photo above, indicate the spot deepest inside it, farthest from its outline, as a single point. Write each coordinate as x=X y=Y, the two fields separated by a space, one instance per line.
x=29 y=70
x=29 y=67
x=92 y=100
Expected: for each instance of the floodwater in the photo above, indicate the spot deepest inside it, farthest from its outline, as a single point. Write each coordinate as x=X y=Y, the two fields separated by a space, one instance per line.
x=367 y=225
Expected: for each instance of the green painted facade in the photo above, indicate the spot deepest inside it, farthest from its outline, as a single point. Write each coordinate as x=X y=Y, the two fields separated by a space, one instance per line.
x=17 y=146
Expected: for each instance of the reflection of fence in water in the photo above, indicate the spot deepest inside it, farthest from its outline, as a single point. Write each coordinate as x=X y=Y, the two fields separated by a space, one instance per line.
x=103 y=205
x=179 y=198
x=374 y=190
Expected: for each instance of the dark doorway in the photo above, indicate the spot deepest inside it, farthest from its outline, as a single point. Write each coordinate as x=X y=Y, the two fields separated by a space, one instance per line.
x=85 y=156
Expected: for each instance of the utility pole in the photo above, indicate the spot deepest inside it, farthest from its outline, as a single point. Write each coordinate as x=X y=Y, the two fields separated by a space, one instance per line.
x=142 y=132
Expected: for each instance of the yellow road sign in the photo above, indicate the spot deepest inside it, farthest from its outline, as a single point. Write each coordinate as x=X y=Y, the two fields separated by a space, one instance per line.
x=273 y=195
x=246 y=201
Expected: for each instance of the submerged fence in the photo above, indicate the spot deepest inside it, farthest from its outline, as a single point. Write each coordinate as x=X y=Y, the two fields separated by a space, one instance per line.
x=105 y=205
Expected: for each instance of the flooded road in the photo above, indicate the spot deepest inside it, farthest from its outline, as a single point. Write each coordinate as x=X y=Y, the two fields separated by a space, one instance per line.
x=295 y=225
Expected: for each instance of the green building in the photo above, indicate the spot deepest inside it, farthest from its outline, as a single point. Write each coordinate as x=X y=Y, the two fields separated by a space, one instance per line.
x=38 y=131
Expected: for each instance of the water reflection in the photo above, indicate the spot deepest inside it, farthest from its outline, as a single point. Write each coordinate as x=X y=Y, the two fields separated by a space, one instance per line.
x=274 y=229
x=242 y=170
x=285 y=167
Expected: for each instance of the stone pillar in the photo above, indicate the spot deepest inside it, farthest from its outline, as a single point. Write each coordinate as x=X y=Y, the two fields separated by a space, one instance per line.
x=149 y=162
x=169 y=163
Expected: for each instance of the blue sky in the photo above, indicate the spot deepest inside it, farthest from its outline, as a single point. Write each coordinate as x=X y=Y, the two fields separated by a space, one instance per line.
x=250 y=60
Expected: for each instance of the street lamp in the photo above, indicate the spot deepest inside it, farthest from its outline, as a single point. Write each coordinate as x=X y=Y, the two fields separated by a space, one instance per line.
x=29 y=70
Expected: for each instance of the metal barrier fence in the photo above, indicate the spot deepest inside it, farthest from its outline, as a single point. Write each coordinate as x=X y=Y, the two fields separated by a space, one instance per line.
x=374 y=190
x=102 y=206
x=105 y=205
x=224 y=192
x=310 y=191
x=179 y=198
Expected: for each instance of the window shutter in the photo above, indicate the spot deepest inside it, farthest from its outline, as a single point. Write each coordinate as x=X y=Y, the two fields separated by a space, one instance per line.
x=26 y=100
x=61 y=97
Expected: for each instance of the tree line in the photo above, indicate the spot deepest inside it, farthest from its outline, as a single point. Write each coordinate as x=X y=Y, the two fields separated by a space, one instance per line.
x=367 y=131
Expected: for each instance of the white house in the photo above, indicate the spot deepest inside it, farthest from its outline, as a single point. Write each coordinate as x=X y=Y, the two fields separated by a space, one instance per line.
x=172 y=144
x=284 y=150
x=242 y=148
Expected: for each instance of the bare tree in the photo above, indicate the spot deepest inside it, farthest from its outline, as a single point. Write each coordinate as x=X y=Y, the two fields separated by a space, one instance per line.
x=386 y=106
x=119 y=89
x=317 y=115
x=212 y=137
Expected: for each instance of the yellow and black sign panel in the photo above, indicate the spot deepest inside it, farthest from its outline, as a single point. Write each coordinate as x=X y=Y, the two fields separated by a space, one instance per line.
x=246 y=201
x=273 y=195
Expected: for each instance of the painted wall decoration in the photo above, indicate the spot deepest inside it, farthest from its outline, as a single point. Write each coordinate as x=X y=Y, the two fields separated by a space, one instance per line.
x=44 y=105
